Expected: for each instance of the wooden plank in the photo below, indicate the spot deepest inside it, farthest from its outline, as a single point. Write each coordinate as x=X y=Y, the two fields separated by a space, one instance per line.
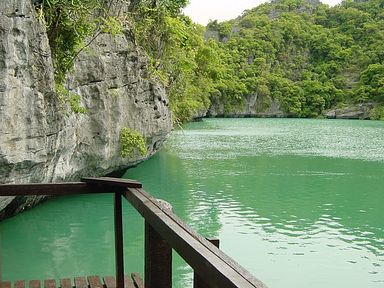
x=138 y=281
x=34 y=284
x=94 y=282
x=52 y=189
x=158 y=260
x=109 y=281
x=113 y=182
x=206 y=259
x=81 y=282
x=128 y=282
x=5 y=284
x=49 y=283
x=19 y=284
x=65 y=283
x=119 y=243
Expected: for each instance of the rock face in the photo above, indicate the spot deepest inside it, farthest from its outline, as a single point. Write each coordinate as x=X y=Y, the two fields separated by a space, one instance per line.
x=253 y=106
x=41 y=140
x=358 y=111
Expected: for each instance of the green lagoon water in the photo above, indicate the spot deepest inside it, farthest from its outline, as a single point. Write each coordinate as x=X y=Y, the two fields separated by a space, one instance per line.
x=299 y=203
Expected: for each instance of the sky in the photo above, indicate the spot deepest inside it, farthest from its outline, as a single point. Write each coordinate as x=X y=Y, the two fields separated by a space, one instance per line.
x=201 y=11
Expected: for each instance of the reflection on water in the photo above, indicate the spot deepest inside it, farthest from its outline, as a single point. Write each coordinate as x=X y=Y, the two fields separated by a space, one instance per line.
x=67 y=237
x=297 y=202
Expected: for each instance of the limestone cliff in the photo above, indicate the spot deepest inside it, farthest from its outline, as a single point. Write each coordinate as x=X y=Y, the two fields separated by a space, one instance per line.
x=357 y=111
x=40 y=139
x=256 y=107
x=252 y=106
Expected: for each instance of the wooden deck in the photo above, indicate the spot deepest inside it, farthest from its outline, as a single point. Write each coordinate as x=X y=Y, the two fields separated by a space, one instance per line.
x=164 y=232
x=135 y=281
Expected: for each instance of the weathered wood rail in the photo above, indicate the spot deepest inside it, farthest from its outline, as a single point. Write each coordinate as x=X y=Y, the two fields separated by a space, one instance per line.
x=164 y=231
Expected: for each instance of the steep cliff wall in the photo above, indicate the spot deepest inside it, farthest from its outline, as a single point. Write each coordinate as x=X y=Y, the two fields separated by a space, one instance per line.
x=41 y=140
x=252 y=106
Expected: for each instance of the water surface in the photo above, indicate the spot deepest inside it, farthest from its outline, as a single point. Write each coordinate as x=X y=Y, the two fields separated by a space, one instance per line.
x=297 y=202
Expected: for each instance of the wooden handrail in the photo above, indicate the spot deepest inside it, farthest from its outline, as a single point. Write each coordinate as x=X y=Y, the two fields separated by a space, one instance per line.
x=198 y=282
x=113 y=182
x=51 y=189
x=206 y=259
x=213 y=266
x=87 y=186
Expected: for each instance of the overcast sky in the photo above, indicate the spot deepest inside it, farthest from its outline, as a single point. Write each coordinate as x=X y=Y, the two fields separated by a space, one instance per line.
x=201 y=11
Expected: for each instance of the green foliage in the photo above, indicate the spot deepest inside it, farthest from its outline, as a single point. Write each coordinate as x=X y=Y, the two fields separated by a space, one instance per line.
x=188 y=71
x=186 y=64
x=71 y=98
x=371 y=83
x=307 y=55
x=68 y=24
x=74 y=102
x=111 y=25
x=131 y=141
x=377 y=113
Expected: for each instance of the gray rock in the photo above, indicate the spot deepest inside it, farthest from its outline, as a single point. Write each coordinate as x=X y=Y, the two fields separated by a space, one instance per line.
x=252 y=106
x=357 y=111
x=41 y=139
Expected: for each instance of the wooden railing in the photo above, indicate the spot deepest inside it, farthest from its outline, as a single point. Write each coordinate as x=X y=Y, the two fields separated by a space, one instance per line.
x=164 y=231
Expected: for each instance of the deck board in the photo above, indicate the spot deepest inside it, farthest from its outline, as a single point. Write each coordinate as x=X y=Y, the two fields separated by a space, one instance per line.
x=19 y=284
x=110 y=282
x=81 y=282
x=128 y=283
x=34 y=284
x=5 y=284
x=65 y=283
x=50 y=283
x=94 y=282
x=139 y=283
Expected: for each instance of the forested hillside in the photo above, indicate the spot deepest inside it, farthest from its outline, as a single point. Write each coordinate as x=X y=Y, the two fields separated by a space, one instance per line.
x=300 y=56
x=306 y=55
x=303 y=54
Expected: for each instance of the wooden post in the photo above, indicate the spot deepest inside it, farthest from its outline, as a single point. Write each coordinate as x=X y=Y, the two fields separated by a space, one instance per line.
x=198 y=281
x=119 y=249
x=158 y=257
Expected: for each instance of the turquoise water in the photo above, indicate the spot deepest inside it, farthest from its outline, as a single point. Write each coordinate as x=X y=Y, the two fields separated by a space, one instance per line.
x=297 y=202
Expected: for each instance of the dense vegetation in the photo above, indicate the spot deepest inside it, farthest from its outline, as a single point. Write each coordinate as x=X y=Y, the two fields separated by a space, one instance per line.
x=305 y=55
x=179 y=55
x=308 y=56
x=174 y=45
x=71 y=27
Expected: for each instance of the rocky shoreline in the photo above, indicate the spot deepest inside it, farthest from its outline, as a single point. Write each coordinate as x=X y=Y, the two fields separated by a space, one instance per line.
x=355 y=111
